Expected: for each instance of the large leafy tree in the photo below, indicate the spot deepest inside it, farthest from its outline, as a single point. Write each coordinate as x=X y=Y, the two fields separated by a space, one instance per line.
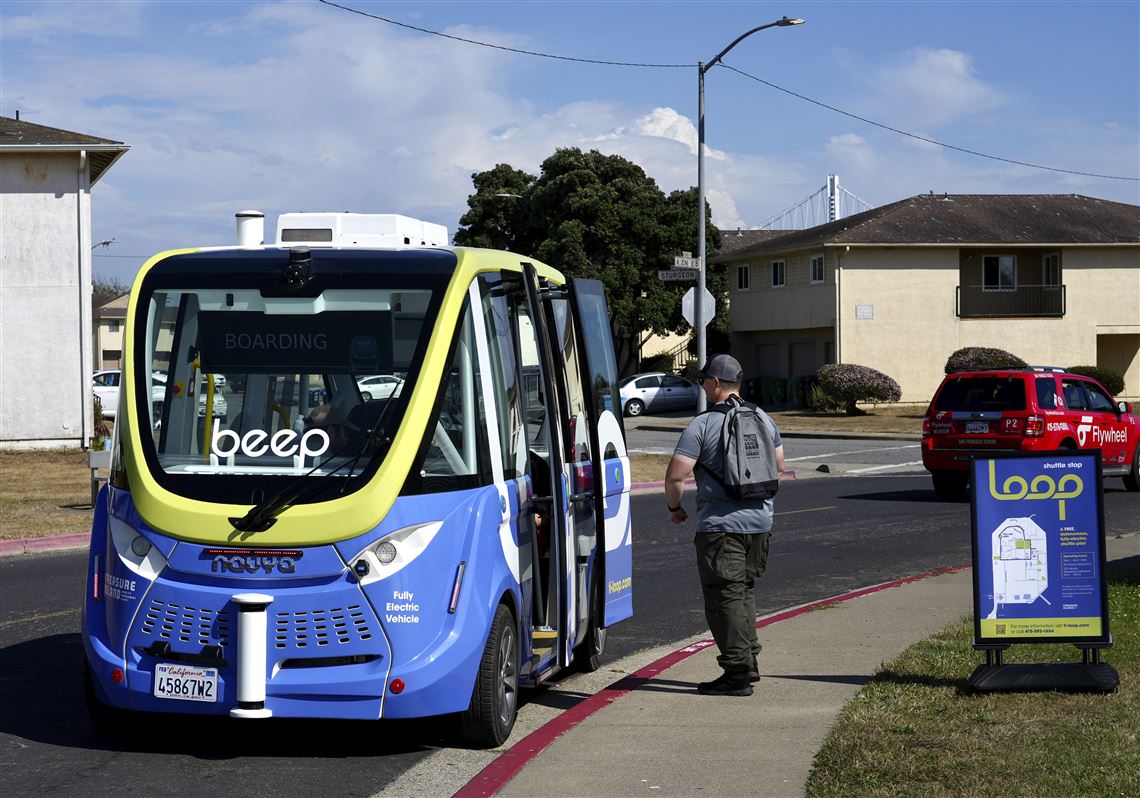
x=597 y=216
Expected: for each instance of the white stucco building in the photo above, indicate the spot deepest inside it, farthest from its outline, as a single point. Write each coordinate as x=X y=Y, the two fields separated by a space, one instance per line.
x=46 y=175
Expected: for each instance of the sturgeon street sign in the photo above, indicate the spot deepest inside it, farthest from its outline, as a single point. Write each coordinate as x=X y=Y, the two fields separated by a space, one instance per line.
x=677 y=274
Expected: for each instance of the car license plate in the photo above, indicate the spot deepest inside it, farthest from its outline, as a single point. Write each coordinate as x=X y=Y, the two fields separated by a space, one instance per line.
x=977 y=427
x=185 y=682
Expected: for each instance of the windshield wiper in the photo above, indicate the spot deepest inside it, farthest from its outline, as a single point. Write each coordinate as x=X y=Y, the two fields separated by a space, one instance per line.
x=264 y=515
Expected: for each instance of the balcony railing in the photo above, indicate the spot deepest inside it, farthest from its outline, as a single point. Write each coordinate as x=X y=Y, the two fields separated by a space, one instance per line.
x=980 y=302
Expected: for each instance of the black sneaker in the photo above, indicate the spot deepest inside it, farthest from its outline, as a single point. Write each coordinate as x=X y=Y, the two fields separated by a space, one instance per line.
x=727 y=684
x=754 y=675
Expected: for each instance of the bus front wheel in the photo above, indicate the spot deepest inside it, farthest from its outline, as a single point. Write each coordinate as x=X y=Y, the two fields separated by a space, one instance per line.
x=495 y=699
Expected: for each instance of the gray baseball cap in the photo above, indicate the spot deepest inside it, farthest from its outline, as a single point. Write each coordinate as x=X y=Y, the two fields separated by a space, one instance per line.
x=724 y=367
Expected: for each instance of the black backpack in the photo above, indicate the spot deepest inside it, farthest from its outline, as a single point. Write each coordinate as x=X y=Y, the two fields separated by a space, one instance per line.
x=748 y=471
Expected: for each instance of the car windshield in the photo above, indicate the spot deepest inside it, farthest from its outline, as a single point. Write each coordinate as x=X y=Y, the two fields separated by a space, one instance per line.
x=261 y=389
x=982 y=393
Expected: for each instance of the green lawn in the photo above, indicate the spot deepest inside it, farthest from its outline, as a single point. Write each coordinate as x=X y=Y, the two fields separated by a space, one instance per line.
x=918 y=730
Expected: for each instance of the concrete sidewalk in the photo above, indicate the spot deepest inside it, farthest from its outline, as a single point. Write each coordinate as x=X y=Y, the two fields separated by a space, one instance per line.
x=663 y=738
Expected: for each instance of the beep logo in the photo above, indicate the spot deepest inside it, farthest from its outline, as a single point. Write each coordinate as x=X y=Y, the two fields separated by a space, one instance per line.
x=1042 y=486
x=256 y=442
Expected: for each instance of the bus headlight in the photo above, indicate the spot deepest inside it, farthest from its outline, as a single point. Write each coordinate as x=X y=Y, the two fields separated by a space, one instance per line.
x=392 y=552
x=386 y=552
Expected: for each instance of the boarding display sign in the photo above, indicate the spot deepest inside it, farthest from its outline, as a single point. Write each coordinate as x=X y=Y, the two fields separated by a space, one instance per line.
x=1038 y=544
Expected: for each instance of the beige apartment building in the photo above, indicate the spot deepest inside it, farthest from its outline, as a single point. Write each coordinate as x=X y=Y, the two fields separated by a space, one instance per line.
x=1054 y=279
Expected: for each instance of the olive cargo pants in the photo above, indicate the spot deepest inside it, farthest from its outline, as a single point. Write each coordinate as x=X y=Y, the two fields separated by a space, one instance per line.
x=729 y=563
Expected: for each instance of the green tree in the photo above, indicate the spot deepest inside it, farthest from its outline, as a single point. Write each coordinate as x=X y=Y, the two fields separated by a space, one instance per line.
x=103 y=290
x=601 y=217
x=495 y=216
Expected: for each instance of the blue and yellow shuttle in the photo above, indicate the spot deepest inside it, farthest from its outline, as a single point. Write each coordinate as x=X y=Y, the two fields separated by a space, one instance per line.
x=357 y=473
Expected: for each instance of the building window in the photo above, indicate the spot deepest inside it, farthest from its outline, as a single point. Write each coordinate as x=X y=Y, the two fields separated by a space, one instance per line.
x=777 y=274
x=113 y=325
x=1051 y=270
x=817 y=269
x=742 y=278
x=999 y=273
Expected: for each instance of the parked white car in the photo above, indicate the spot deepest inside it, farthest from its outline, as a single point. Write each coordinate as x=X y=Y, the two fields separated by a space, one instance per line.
x=379 y=386
x=105 y=385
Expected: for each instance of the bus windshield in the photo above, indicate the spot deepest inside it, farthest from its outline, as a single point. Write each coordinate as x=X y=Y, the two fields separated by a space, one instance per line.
x=245 y=392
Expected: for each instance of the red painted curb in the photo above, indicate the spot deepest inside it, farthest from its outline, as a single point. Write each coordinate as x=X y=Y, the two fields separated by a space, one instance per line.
x=493 y=777
x=34 y=545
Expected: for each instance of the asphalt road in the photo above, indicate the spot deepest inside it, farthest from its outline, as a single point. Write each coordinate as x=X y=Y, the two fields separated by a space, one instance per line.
x=838 y=455
x=832 y=535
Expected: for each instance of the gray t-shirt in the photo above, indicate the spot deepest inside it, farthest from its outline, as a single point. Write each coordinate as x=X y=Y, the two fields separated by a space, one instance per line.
x=716 y=511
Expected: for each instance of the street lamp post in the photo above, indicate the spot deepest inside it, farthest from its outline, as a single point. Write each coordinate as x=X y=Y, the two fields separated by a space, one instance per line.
x=702 y=68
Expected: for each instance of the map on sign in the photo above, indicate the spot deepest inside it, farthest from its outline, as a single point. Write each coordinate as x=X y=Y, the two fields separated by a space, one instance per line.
x=1020 y=563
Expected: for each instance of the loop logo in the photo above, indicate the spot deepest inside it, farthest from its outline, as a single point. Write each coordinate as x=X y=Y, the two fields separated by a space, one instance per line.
x=256 y=442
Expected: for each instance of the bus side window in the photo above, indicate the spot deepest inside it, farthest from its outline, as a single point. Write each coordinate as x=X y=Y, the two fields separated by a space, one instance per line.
x=508 y=407
x=456 y=453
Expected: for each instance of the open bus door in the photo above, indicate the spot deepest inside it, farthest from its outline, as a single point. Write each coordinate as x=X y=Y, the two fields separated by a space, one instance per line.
x=609 y=459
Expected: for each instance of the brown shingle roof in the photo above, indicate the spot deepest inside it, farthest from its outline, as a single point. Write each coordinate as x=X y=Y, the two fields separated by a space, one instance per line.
x=736 y=240
x=965 y=219
x=18 y=134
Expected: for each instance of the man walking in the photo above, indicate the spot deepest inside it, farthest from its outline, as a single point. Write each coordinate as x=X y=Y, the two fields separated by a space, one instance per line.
x=732 y=535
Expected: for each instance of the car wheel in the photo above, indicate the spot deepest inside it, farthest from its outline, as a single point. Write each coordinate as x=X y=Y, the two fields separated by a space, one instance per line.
x=949 y=485
x=1132 y=478
x=495 y=699
x=367 y=397
x=588 y=654
x=634 y=407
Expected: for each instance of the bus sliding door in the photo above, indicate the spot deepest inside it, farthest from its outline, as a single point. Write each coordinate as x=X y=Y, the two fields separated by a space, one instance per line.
x=610 y=462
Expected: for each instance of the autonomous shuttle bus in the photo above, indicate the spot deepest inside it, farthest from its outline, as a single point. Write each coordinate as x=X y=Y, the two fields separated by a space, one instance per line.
x=327 y=551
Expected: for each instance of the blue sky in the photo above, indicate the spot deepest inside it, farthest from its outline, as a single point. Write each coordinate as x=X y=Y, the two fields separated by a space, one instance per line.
x=303 y=106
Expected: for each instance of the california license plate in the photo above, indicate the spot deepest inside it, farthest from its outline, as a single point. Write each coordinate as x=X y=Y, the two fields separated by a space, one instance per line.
x=185 y=682
x=977 y=427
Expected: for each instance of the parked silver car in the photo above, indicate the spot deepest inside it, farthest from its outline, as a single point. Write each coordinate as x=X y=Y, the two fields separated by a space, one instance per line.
x=657 y=391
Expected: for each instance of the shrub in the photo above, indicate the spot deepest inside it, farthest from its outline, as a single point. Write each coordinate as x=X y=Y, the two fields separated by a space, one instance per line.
x=978 y=358
x=849 y=383
x=1106 y=377
x=821 y=401
x=661 y=362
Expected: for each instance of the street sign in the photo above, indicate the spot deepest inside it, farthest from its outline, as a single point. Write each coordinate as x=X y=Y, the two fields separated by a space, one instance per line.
x=677 y=274
x=708 y=307
x=686 y=261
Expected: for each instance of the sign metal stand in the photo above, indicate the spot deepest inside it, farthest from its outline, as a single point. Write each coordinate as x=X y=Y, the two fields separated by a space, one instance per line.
x=1039 y=561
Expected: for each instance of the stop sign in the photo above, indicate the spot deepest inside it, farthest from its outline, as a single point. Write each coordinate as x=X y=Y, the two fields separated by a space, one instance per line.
x=708 y=307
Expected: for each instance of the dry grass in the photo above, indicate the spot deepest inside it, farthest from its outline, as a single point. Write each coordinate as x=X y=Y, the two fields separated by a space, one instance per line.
x=44 y=493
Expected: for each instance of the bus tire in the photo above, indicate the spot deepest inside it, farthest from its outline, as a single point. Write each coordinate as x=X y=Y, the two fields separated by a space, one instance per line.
x=490 y=717
x=588 y=654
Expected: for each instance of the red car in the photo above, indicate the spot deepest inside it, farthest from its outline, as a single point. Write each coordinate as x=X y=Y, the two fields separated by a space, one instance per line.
x=1032 y=409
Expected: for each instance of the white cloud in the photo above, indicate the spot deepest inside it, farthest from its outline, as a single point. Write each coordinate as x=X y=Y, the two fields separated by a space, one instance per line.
x=930 y=88
x=286 y=106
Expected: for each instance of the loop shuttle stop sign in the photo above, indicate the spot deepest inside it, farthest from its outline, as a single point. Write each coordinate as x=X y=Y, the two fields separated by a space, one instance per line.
x=1039 y=559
